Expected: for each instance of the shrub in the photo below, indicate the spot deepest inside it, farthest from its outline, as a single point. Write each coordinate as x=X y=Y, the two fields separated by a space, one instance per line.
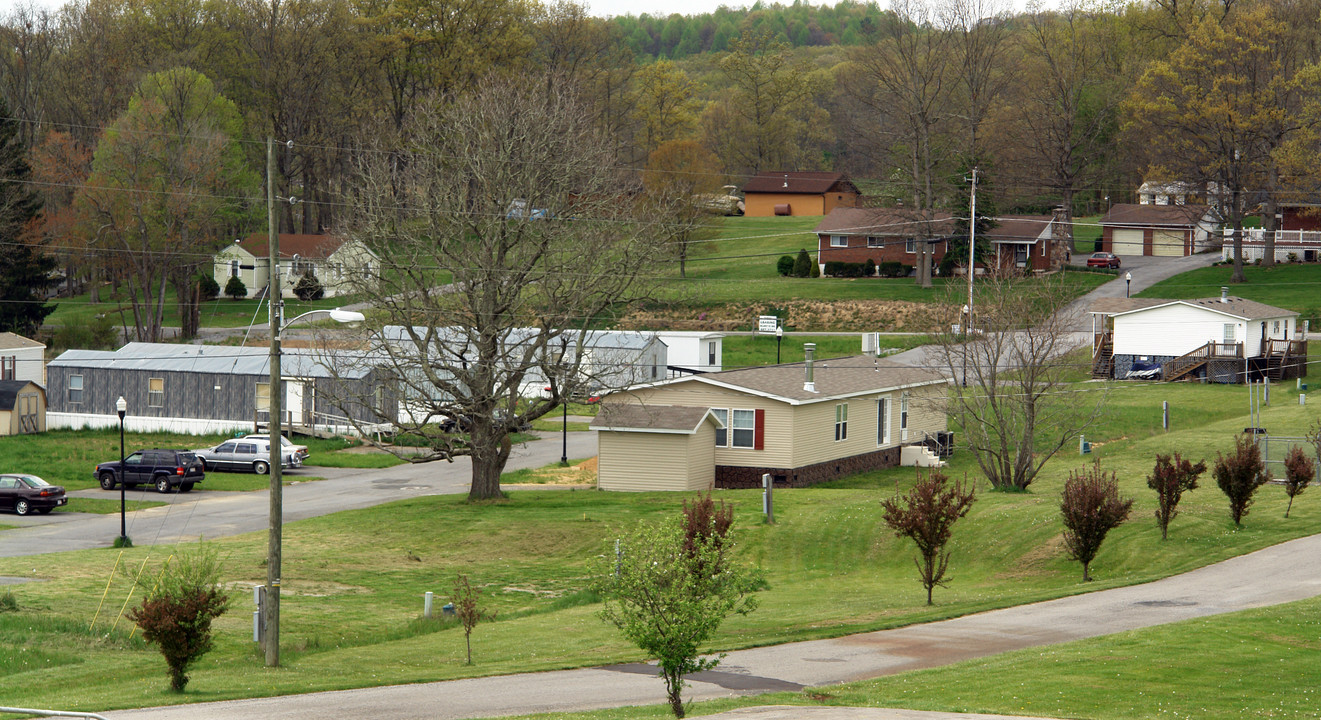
x=1091 y=508
x=785 y=265
x=926 y=516
x=208 y=288
x=814 y=271
x=308 y=287
x=836 y=268
x=235 y=288
x=176 y=615
x=803 y=264
x=869 y=268
x=1170 y=479
x=1298 y=472
x=892 y=269
x=1239 y=475
x=98 y=334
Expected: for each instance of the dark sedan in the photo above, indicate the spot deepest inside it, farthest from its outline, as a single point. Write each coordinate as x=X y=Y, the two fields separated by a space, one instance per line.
x=25 y=493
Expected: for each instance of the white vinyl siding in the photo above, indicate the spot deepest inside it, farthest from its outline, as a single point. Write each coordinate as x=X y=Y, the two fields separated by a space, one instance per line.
x=1176 y=329
x=639 y=461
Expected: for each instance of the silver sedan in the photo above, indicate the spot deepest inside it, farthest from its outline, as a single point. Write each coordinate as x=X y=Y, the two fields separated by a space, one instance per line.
x=244 y=455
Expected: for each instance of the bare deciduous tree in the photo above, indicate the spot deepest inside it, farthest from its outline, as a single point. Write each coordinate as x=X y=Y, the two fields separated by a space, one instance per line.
x=502 y=238
x=1012 y=392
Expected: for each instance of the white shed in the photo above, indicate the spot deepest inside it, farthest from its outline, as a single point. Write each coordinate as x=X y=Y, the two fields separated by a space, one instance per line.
x=693 y=350
x=22 y=359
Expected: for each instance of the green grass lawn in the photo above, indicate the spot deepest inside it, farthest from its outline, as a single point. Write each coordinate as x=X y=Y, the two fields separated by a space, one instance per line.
x=1086 y=234
x=740 y=351
x=221 y=312
x=529 y=556
x=1291 y=286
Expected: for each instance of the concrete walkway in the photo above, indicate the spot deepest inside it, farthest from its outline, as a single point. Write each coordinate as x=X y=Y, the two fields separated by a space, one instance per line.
x=1283 y=573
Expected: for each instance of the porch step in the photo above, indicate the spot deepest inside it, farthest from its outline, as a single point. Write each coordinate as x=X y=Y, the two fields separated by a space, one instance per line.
x=919 y=456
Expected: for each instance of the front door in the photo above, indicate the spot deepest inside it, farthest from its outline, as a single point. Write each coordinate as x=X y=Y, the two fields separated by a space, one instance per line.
x=293 y=401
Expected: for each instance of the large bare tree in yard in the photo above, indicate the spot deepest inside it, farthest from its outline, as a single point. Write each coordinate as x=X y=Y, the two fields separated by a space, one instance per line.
x=503 y=237
x=1012 y=393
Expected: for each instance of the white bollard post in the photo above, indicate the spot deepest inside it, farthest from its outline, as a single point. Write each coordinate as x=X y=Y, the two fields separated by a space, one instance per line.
x=426 y=604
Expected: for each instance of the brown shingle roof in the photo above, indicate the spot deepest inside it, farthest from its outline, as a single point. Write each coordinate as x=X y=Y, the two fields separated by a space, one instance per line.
x=1017 y=228
x=1234 y=306
x=307 y=246
x=1160 y=215
x=900 y=222
x=656 y=418
x=806 y=183
x=834 y=378
x=11 y=341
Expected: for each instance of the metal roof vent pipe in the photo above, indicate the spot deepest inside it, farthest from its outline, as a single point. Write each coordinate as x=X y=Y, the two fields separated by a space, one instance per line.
x=1224 y=294
x=809 y=350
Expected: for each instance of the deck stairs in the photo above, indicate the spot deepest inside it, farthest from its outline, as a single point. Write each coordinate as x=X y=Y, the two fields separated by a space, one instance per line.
x=1103 y=355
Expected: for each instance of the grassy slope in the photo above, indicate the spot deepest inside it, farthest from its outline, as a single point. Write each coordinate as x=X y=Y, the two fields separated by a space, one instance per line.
x=221 y=312
x=529 y=556
x=1293 y=287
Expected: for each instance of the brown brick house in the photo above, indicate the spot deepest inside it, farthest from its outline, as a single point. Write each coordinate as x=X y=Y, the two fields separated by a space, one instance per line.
x=881 y=234
x=797 y=193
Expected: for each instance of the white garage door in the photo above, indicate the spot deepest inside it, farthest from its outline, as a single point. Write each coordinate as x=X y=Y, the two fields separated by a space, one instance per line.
x=1168 y=243
x=1127 y=242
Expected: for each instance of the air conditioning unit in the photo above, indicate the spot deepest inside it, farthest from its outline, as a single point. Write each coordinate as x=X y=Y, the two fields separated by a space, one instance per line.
x=871 y=343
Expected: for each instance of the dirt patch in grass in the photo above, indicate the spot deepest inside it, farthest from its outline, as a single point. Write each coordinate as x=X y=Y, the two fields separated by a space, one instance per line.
x=582 y=474
x=1035 y=561
x=880 y=315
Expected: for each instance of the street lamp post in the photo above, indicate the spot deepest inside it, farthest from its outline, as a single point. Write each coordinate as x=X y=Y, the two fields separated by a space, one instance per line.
x=966 y=338
x=779 y=337
x=1128 y=282
x=121 y=407
x=564 y=435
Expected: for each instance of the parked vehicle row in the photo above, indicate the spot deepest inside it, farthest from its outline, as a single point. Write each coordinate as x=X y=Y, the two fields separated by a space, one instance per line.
x=246 y=454
x=24 y=493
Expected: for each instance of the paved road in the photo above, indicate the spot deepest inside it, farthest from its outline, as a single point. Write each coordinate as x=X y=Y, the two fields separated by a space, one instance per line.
x=1146 y=271
x=1286 y=572
x=212 y=514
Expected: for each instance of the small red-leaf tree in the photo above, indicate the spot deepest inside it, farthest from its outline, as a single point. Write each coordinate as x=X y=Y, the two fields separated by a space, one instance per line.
x=1299 y=469
x=926 y=516
x=468 y=609
x=1171 y=477
x=1239 y=474
x=176 y=615
x=1091 y=508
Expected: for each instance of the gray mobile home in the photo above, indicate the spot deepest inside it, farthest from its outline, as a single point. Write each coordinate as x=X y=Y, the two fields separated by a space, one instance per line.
x=208 y=389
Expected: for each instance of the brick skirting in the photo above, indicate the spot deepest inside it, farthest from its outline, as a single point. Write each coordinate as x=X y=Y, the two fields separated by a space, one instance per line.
x=732 y=478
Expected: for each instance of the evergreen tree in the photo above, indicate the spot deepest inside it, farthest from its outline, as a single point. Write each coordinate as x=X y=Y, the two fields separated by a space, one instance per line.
x=24 y=270
x=957 y=254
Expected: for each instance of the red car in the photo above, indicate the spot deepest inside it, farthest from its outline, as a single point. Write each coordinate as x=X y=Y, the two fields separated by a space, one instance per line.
x=24 y=493
x=1103 y=259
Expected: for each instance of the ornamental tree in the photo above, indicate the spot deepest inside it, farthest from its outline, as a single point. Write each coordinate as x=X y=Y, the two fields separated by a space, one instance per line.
x=1171 y=477
x=176 y=614
x=1239 y=475
x=1091 y=508
x=926 y=516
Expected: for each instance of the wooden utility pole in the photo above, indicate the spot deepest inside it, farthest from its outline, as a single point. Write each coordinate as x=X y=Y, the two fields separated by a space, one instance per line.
x=972 y=241
x=274 y=542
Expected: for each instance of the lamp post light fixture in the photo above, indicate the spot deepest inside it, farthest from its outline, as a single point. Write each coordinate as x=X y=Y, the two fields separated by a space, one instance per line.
x=1128 y=282
x=275 y=533
x=779 y=338
x=121 y=407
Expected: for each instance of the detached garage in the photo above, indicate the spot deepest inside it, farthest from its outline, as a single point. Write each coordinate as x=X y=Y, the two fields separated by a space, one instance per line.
x=1159 y=230
x=656 y=447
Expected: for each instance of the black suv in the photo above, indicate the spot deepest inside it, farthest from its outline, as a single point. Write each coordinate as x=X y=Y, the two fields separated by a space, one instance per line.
x=166 y=469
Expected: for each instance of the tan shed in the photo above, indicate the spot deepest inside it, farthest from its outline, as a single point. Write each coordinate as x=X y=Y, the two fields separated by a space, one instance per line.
x=22 y=407
x=656 y=447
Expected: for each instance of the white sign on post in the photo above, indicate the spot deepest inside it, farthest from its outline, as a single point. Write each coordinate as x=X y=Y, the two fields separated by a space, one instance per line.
x=767 y=323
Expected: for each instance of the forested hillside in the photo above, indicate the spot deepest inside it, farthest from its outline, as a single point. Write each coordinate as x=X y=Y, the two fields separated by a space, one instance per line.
x=1075 y=106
